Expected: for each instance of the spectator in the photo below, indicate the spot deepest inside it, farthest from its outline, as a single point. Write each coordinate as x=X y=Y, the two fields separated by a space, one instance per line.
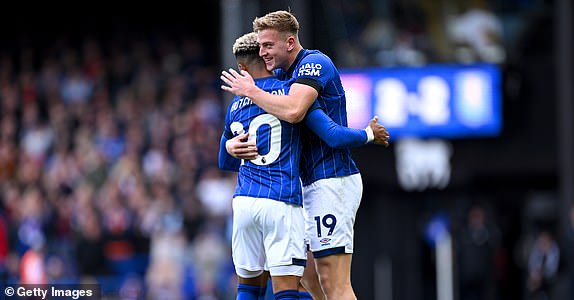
x=478 y=244
x=543 y=263
x=90 y=245
x=477 y=34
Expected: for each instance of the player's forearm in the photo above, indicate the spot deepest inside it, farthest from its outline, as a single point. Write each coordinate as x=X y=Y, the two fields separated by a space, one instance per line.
x=284 y=107
x=343 y=137
x=225 y=161
x=335 y=135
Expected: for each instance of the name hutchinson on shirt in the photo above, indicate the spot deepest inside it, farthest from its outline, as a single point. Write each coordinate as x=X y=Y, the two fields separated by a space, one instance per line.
x=245 y=101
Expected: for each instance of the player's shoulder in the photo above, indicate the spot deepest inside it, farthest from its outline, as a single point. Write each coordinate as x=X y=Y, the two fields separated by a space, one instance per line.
x=315 y=60
x=233 y=105
x=315 y=55
x=234 y=100
x=271 y=84
x=267 y=81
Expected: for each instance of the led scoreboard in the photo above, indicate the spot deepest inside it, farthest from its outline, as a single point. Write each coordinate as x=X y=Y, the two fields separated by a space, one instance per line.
x=445 y=101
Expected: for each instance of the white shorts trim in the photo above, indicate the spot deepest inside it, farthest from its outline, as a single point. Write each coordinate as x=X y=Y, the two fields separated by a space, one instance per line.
x=294 y=270
x=247 y=274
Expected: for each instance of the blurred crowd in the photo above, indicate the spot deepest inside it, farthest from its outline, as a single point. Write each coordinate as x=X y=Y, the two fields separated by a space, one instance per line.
x=108 y=151
x=108 y=168
x=415 y=33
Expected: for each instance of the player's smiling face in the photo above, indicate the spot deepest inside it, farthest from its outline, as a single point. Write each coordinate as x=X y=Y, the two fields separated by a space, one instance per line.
x=273 y=48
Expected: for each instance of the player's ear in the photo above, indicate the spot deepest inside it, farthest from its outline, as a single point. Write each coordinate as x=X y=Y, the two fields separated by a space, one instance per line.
x=242 y=67
x=291 y=41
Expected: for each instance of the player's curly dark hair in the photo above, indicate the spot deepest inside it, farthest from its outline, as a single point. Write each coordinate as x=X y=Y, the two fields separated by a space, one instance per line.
x=246 y=44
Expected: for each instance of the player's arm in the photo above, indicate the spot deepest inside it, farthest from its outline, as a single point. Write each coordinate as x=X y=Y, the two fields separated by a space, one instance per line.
x=232 y=149
x=337 y=136
x=225 y=161
x=239 y=147
x=233 y=146
x=290 y=108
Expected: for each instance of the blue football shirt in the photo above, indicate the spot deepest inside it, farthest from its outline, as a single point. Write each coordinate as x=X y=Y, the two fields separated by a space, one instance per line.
x=318 y=159
x=274 y=174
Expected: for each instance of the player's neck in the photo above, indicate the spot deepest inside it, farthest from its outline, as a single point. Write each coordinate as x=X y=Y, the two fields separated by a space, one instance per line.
x=260 y=72
x=293 y=54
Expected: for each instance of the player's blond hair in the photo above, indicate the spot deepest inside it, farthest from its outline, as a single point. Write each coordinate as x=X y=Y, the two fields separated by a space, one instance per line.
x=246 y=44
x=281 y=20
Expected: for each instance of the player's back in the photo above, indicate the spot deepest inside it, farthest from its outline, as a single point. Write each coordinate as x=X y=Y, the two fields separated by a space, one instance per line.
x=274 y=174
x=319 y=160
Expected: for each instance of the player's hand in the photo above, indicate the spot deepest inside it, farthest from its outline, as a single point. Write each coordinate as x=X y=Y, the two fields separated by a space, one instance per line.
x=239 y=147
x=381 y=134
x=239 y=84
